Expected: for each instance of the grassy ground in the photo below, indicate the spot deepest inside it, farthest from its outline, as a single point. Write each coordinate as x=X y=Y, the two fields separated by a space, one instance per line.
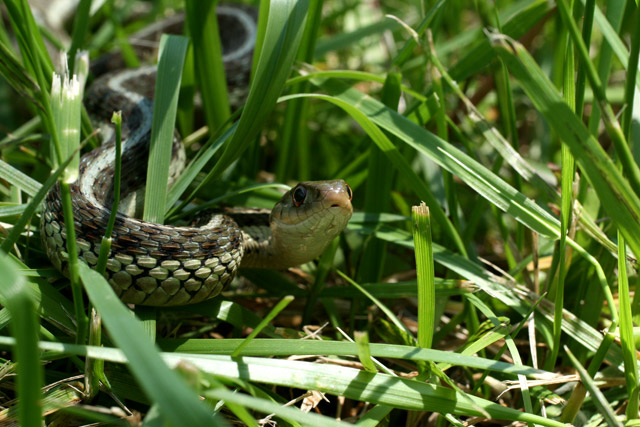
x=510 y=300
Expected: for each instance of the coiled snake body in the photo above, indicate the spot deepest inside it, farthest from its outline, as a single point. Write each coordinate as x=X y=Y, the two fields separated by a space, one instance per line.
x=160 y=265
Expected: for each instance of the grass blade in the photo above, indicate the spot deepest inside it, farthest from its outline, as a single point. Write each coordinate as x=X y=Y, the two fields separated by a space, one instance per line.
x=600 y=401
x=424 y=270
x=377 y=198
x=267 y=407
x=24 y=327
x=627 y=340
x=177 y=402
x=353 y=383
x=14 y=177
x=295 y=129
x=207 y=52
x=272 y=314
x=172 y=53
x=364 y=351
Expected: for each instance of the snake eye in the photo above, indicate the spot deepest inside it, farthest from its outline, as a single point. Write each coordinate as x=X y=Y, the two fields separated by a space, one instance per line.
x=298 y=195
x=349 y=192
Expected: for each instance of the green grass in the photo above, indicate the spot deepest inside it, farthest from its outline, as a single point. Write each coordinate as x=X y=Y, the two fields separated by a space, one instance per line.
x=525 y=271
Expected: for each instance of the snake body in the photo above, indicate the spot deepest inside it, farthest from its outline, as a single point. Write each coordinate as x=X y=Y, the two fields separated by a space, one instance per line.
x=162 y=265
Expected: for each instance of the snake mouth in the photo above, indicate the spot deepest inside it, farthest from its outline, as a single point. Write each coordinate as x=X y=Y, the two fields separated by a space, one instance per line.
x=337 y=200
x=337 y=206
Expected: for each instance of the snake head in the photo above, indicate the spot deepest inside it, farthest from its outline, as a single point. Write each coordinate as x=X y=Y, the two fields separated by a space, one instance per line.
x=308 y=217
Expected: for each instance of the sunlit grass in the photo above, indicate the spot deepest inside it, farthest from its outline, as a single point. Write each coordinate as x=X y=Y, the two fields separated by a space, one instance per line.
x=467 y=106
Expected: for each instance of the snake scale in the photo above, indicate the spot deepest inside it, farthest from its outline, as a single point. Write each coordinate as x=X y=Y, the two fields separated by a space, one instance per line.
x=162 y=265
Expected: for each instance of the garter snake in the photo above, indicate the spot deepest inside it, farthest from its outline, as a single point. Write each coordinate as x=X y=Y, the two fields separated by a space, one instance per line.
x=161 y=265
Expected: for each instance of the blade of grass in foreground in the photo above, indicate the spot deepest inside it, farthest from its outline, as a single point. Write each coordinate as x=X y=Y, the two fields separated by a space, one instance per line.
x=268 y=347
x=356 y=384
x=286 y=347
x=626 y=315
x=173 y=50
x=424 y=270
x=24 y=327
x=177 y=402
x=65 y=113
x=351 y=383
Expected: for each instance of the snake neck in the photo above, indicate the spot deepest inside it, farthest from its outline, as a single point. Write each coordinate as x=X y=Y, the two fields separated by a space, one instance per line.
x=259 y=249
x=262 y=250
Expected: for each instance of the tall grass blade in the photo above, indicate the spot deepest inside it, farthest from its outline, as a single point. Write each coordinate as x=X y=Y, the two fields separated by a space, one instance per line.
x=80 y=30
x=207 y=54
x=173 y=50
x=566 y=185
x=377 y=197
x=627 y=340
x=295 y=128
x=16 y=297
x=177 y=402
x=66 y=109
x=352 y=383
x=421 y=222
